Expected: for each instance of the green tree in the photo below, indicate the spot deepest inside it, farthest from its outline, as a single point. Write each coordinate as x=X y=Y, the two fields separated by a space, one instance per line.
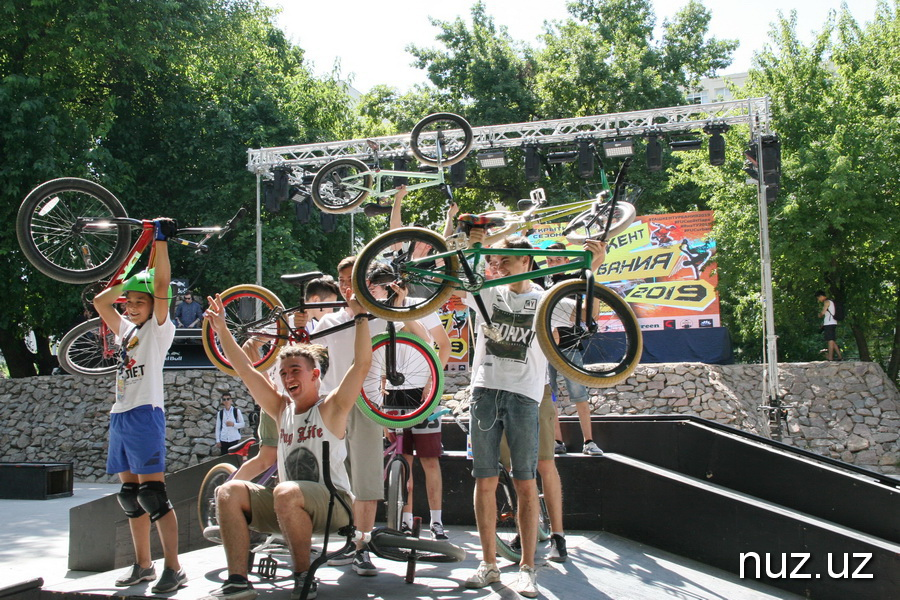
x=159 y=102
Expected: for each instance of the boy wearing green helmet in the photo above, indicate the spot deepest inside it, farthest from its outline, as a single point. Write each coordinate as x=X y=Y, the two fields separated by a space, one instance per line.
x=137 y=424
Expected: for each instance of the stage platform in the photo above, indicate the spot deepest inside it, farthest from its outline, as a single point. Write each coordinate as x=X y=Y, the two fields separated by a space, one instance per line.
x=601 y=566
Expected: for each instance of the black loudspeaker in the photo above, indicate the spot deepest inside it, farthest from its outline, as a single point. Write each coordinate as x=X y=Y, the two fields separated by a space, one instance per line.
x=654 y=154
x=585 y=159
x=400 y=165
x=458 y=174
x=532 y=164
x=270 y=199
x=328 y=221
x=303 y=208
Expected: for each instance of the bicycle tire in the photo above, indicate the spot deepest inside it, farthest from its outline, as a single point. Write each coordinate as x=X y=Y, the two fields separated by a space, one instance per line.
x=419 y=364
x=80 y=351
x=331 y=194
x=251 y=315
x=422 y=140
x=587 y=225
x=394 y=251
x=507 y=532
x=614 y=349
x=215 y=477
x=45 y=226
x=393 y=545
x=543 y=533
x=395 y=495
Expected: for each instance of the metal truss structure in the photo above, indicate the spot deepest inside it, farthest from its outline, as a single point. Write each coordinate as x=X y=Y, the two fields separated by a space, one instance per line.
x=301 y=160
x=304 y=158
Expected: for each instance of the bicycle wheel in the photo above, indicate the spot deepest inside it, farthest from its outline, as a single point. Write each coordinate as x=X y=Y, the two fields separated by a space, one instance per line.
x=83 y=350
x=341 y=185
x=396 y=493
x=507 y=534
x=393 y=545
x=206 y=498
x=53 y=241
x=603 y=358
x=590 y=224
x=544 y=532
x=441 y=139
x=252 y=314
x=406 y=253
x=419 y=367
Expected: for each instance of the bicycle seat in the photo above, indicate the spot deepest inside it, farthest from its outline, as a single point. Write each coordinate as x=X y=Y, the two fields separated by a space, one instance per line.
x=301 y=278
x=243 y=447
x=482 y=220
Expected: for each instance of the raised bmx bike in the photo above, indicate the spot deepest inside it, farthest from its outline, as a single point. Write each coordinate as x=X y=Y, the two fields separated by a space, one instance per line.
x=601 y=323
x=438 y=141
x=76 y=231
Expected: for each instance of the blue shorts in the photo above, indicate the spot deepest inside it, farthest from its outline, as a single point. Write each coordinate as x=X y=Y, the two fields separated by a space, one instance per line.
x=137 y=441
x=492 y=412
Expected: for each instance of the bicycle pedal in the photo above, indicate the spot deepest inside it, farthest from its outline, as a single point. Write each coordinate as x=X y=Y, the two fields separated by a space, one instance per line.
x=267 y=567
x=492 y=332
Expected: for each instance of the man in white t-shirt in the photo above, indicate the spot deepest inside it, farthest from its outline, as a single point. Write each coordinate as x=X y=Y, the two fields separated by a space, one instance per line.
x=364 y=436
x=507 y=389
x=229 y=421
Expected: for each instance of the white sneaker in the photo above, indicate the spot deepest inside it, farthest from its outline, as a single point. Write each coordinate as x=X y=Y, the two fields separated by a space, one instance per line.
x=591 y=449
x=526 y=585
x=483 y=576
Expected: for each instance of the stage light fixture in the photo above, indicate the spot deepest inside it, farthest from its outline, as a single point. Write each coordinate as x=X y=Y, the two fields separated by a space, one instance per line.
x=716 y=143
x=281 y=183
x=400 y=165
x=491 y=159
x=585 y=159
x=654 y=154
x=562 y=155
x=685 y=145
x=618 y=148
x=532 y=164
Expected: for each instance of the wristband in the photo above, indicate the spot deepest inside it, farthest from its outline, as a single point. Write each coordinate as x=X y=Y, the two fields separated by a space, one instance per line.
x=361 y=316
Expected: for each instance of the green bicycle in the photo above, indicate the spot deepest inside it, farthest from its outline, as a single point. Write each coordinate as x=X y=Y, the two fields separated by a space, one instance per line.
x=439 y=140
x=597 y=320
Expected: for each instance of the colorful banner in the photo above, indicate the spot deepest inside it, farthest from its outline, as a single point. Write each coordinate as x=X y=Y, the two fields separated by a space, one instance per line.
x=663 y=265
x=454 y=316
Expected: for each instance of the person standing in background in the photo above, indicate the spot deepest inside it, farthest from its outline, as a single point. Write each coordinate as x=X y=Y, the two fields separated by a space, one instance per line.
x=229 y=421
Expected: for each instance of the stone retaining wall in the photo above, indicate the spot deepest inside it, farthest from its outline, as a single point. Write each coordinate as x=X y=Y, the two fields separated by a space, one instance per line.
x=849 y=411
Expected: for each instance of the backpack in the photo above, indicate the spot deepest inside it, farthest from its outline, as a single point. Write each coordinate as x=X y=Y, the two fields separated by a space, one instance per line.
x=839 y=312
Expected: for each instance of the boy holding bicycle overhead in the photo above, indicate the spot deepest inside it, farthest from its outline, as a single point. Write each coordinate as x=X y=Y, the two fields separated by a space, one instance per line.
x=507 y=389
x=137 y=422
x=298 y=505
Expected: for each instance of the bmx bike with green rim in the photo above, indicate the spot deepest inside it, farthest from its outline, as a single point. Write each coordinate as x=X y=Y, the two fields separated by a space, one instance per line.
x=601 y=323
x=439 y=141
x=258 y=319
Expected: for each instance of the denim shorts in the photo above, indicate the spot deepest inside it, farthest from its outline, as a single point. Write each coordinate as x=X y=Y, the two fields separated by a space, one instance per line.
x=491 y=413
x=577 y=392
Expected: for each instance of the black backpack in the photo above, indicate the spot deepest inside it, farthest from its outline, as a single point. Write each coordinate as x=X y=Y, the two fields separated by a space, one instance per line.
x=839 y=312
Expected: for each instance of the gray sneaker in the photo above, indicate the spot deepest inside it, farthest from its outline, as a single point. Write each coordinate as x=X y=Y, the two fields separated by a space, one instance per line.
x=299 y=582
x=136 y=575
x=233 y=590
x=591 y=449
x=169 y=581
x=560 y=448
x=484 y=575
x=345 y=558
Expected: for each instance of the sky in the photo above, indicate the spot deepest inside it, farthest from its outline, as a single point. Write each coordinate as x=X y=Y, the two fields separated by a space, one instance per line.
x=369 y=38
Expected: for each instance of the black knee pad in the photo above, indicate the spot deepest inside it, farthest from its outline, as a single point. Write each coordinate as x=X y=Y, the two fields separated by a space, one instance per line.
x=153 y=498
x=128 y=500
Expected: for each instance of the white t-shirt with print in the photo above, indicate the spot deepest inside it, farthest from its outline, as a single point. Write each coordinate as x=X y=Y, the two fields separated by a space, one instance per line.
x=139 y=376
x=516 y=362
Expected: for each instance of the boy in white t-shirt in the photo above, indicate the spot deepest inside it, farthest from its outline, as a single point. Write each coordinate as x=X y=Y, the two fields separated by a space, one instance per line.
x=507 y=389
x=137 y=424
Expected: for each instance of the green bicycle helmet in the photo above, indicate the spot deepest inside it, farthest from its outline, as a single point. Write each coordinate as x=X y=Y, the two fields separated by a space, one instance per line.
x=143 y=282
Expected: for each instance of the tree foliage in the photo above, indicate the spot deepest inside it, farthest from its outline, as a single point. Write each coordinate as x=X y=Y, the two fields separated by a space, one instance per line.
x=159 y=102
